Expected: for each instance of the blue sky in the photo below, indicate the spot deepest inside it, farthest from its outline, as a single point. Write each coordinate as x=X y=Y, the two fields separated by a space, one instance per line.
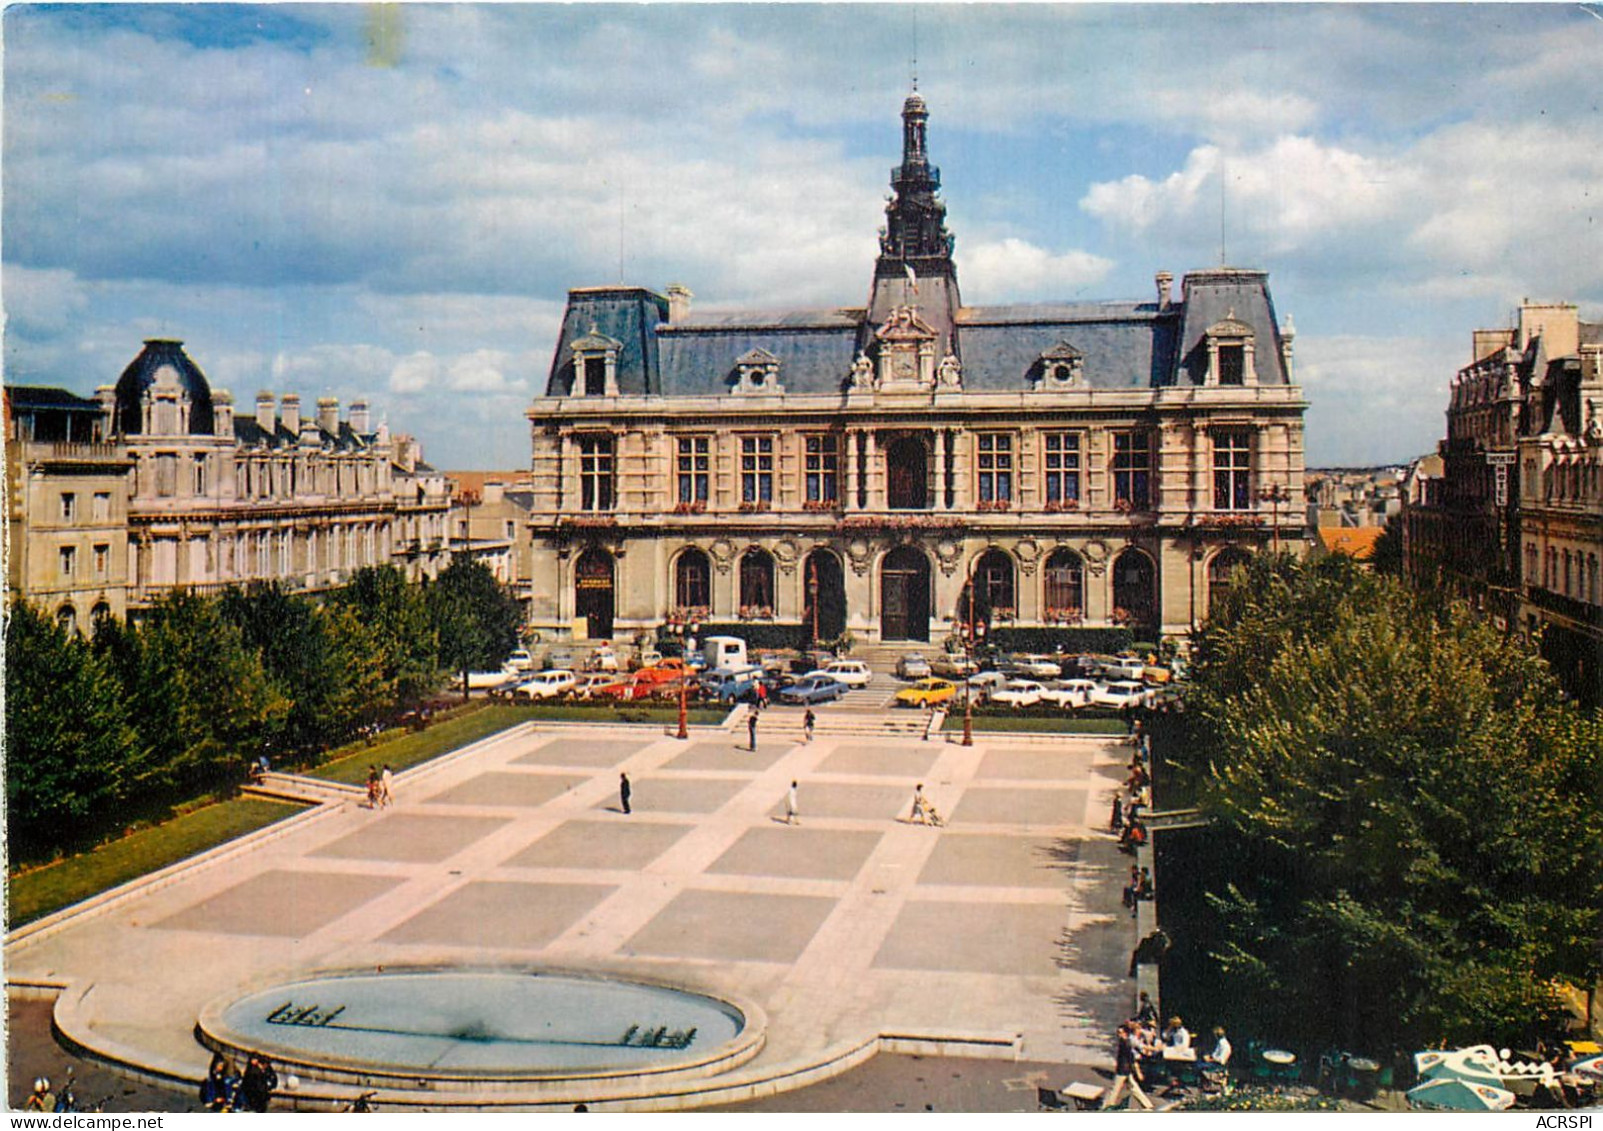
x=392 y=202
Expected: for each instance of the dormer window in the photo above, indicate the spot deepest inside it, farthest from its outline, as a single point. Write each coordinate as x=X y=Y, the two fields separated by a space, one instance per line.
x=595 y=364
x=756 y=371
x=1061 y=367
x=1230 y=353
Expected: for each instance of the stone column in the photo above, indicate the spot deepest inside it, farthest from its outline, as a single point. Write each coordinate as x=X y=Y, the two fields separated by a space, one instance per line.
x=937 y=487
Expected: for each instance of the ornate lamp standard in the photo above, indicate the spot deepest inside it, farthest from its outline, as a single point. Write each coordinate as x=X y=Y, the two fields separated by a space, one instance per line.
x=973 y=632
x=1274 y=496
x=687 y=633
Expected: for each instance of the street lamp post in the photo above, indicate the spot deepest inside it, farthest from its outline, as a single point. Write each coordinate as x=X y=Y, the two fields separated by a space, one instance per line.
x=1274 y=496
x=968 y=664
x=687 y=632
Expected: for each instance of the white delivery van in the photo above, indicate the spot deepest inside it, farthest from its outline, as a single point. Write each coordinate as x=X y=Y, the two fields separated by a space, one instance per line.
x=725 y=653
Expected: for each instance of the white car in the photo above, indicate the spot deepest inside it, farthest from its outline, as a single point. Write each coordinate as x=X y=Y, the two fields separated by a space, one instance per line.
x=1069 y=693
x=1038 y=667
x=913 y=666
x=1122 y=693
x=546 y=685
x=1019 y=693
x=586 y=686
x=519 y=661
x=853 y=673
x=1124 y=668
x=603 y=660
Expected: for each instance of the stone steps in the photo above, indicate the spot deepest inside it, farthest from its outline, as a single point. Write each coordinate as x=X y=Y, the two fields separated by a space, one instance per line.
x=297 y=787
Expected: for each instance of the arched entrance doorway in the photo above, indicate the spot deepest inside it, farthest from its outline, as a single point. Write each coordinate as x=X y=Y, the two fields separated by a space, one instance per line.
x=993 y=596
x=824 y=609
x=1134 y=590
x=593 y=593
x=904 y=594
x=907 y=475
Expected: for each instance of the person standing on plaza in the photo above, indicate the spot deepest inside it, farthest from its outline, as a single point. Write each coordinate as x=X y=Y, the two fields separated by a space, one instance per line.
x=920 y=813
x=256 y=1090
x=623 y=792
x=372 y=787
x=751 y=728
x=386 y=786
x=792 y=809
x=1116 y=821
x=1126 y=1072
x=807 y=725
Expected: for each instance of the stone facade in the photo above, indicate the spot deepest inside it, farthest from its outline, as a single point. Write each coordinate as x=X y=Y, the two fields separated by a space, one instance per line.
x=1086 y=464
x=1509 y=514
x=170 y=489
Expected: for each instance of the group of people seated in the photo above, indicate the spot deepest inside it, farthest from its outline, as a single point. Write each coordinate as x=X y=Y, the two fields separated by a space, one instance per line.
x=1166 y=1054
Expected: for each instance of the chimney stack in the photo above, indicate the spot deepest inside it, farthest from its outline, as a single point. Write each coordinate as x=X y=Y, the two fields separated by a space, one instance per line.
x=289 y=411
x=328 y=415
x=266 y=419
x=223 y=413
x=1165 y=281
x=679 y=297
x=359 y=418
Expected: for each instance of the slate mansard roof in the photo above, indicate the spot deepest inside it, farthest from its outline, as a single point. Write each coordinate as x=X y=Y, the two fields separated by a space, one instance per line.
x=1122 y=345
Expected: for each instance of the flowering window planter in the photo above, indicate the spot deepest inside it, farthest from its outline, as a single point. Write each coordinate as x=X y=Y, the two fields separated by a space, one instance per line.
x=995 y=505
x=1058 y=506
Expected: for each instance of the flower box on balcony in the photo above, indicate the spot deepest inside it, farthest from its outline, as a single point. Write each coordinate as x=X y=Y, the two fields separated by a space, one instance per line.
x=821 y=505
x=753 y=508
x=995 y=505
x=1058 y=506
x=697 y=507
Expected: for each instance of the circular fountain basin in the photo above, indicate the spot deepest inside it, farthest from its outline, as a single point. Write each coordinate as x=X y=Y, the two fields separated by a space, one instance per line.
x=475 y=1025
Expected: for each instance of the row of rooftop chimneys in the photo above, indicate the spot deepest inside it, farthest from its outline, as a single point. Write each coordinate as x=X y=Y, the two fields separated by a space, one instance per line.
x=328 y=414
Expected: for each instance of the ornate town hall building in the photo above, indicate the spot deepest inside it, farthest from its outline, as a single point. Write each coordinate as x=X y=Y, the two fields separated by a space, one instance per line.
x=1091 y=463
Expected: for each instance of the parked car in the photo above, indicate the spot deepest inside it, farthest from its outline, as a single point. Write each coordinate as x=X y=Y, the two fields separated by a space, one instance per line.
x=625 y=689
x=813 y=689
x=729 y=686
x=926 y=693
x=483 y=681
x=644 y=658
x=1121 y=693
x=520 y=660
x=1019 y=693
x=546 y=685
x=1124 y=667
x=1069 y=693
x=664 y=671
x=603 y=659
x=913 y=666
x=853 y=673
x=988 y=682
x=952 y=665
x=591 y=685
x=1038 y=667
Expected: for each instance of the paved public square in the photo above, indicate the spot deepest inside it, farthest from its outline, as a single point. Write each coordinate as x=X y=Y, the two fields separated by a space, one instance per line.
x=850 y=925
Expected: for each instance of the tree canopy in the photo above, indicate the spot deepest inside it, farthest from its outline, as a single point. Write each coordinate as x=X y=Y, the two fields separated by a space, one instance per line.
x=1414 y=814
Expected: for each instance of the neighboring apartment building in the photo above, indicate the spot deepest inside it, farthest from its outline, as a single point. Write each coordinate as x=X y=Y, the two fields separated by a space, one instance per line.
x=1091 y=463
x=169 y=489
x=1514 y=518
x=67 y=506
x=490 y=524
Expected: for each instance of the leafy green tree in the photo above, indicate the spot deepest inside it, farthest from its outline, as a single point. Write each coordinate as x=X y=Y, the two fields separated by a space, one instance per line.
x=404 y=642
x=1413 y=814
x=68 y=740
x=1387 y=555
x=475 y=618
x=205 y=703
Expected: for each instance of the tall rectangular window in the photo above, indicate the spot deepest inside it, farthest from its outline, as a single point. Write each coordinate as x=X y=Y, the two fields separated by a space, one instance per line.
x=995 y=466
x=69 y=507
x=1232 y=471
x=1061 y=468
x=596 y=489
x=200 y=475
x=166 y=475
x=694 y=469
x=756 y=470
x=69 y=561
x=1132 y=470
x=102 y=506
x=823 y=469
x=1232 y=365
x=102 y=560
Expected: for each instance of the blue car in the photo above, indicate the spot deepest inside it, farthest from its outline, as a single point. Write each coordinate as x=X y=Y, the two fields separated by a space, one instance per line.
x=813 y=689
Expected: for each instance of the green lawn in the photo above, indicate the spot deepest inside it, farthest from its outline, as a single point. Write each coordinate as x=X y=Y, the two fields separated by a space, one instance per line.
x=1024 y=723
x=76 y=878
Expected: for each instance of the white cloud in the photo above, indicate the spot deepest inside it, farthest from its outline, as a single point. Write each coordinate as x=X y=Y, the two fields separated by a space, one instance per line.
x=1012 y=268
x=1375 y=399
x=415 y=373
x=1137 y=203
x=42 y=302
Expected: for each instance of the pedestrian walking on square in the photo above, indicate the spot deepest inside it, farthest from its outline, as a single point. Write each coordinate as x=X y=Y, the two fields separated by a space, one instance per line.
x=386 y=786
x=920 y=811
x=792 y=810
x=1126 y=1072
x=623 y=792
x=807 y=725
x=751 y=728
x=1116 y=821
x=372 y=787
